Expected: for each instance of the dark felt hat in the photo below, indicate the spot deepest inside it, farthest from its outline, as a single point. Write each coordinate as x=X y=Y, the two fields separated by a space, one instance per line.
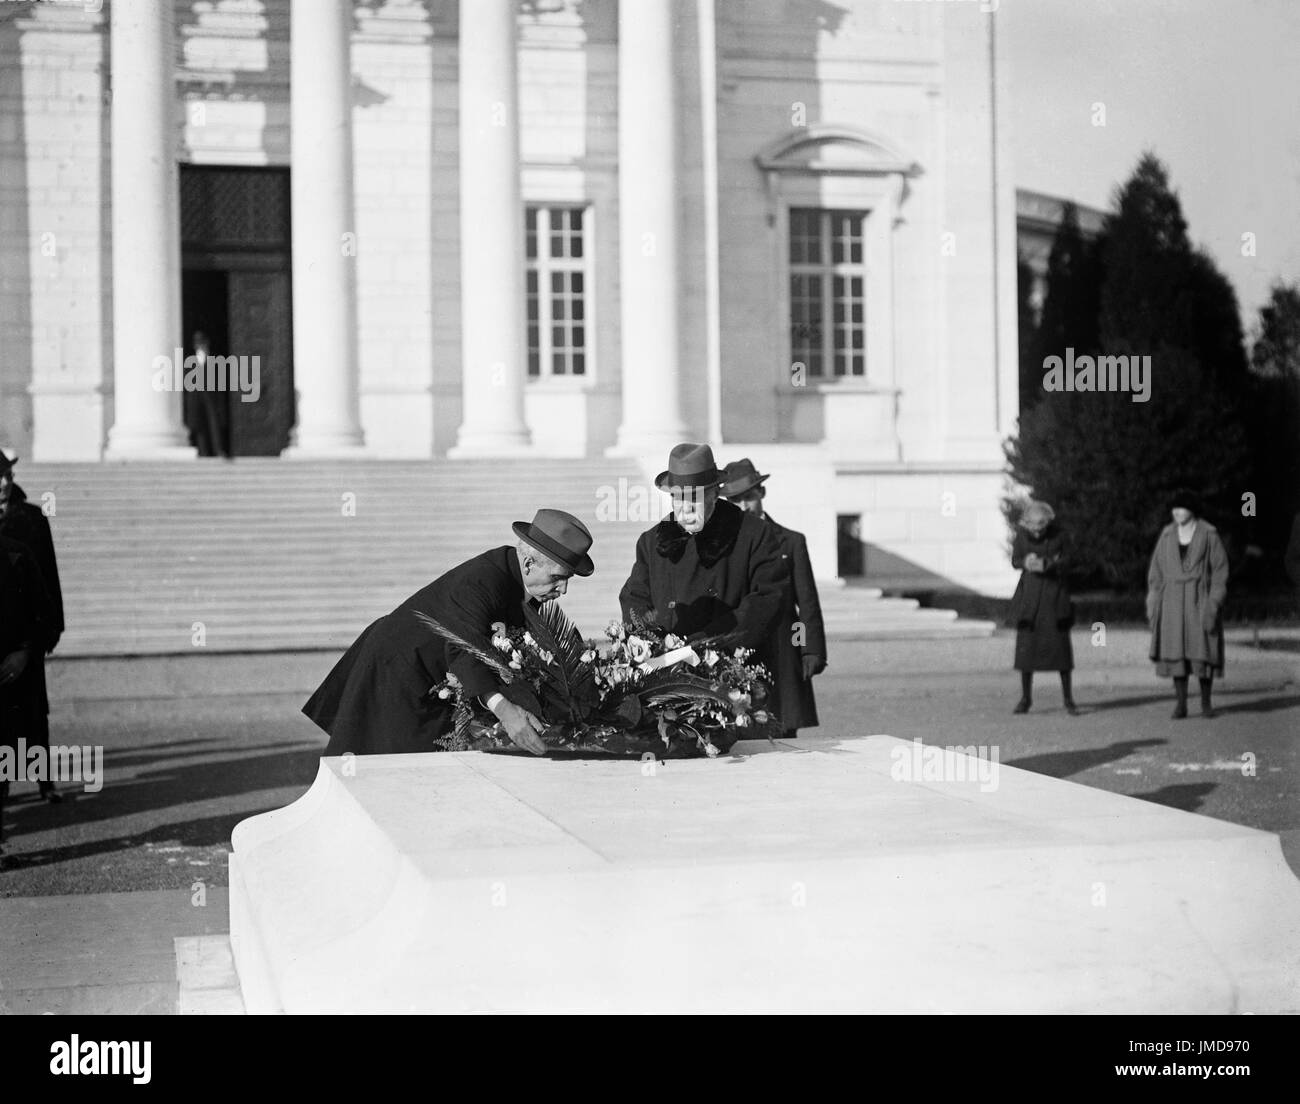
x=741 y=476
x=689 y=465
x=560 y=536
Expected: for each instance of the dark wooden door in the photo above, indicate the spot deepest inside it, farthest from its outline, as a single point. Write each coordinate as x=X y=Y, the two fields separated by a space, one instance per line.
x=259 y=320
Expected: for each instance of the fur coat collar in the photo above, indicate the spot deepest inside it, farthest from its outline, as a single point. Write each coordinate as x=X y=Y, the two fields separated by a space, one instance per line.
x=712 y=543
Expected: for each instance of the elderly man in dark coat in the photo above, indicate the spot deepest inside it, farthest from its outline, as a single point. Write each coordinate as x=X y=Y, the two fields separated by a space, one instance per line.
x=708 y=569
x=377 y=701
x=25 y=628
x=796 y=650
x=27 y=524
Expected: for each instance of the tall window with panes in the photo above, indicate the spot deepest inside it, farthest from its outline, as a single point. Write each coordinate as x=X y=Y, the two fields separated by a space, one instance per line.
x=556 y=250
x=828 y=309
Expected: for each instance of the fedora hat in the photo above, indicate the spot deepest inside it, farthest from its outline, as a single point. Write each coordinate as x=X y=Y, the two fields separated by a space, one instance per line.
x=740 y=476
x=689 y=466
x=560 y=536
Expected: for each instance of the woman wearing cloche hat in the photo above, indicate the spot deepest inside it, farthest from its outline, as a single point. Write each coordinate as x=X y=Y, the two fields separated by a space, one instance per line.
x=1187 y=582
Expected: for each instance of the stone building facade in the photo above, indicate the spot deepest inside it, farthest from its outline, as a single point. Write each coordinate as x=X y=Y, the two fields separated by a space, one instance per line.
x=535 y=228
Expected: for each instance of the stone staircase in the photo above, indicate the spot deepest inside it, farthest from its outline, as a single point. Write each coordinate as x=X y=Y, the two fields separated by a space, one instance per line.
x=268 y=555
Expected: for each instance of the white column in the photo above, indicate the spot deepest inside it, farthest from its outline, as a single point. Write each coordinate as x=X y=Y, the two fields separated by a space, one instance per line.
x=324 y=229
x=493 y=350
x=648 y=228
x=146 y=234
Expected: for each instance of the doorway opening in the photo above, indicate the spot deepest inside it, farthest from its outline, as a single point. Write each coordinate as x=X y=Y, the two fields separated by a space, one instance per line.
x=236 y=290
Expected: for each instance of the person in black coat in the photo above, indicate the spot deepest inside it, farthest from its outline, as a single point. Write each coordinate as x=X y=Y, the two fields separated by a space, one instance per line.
x=796 y=651
x=708 y=570
x=25 y=627
x=1040 y=608
x=27 y=524
x=376 y=699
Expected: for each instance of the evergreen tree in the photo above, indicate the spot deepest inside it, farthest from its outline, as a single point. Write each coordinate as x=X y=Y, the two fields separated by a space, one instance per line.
x=1070 y=307
x=1029 y=377
x=1274 y=418
x=1106 y=462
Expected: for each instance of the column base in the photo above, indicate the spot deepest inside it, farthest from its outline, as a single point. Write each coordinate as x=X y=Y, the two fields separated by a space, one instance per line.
x=125 y=444
x=639 y=442
x=487 y=444
x=348 y=444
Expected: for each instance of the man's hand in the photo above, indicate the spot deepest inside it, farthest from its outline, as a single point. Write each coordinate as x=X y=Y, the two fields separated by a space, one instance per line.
x=1033 y=562
x=521 y=726
x=12 y=666
x=812 y=665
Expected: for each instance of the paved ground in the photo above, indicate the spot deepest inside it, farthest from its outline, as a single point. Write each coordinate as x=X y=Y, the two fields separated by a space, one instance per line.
x=194 y=744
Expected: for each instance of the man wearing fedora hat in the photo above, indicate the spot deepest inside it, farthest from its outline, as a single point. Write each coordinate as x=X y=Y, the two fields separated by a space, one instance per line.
x=376 y=699
x=793 y=656
x=708 y=569
x=26 y=524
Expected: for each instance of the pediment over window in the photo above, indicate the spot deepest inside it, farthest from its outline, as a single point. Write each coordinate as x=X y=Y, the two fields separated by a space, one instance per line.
x=836 y=149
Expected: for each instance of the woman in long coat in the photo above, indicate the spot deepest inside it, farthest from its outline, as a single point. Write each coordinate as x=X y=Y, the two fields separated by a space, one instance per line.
x=1187 y=584
x=1040 y=608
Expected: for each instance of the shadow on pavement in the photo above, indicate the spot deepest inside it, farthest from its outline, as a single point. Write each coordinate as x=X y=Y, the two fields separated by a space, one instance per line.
x=1062 y=764
x=1279 y=645
x=209 y=832
x=1263 y=705
x=169 y=788
x=1188 y=797
x=1123 y=703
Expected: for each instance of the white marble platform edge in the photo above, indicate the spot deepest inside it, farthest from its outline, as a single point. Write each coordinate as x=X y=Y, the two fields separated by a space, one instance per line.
x=327 y=913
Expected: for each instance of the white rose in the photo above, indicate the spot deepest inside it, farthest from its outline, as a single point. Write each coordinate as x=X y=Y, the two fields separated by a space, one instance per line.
x=589 y=656
x=638 y=649
x=671 y=642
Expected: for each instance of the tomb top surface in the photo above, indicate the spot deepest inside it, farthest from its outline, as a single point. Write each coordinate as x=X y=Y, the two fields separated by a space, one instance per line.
x=863 y=874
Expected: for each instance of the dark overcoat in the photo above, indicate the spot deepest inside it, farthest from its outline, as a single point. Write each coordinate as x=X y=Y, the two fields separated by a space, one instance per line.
x=376 y=699
x=28 y=525
x=1185 y=604
x=1041 y=612
x=727 y=580
x=25 y=623
x=794 y=702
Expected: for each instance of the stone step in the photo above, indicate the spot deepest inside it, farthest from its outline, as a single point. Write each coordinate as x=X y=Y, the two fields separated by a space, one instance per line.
x=280 y=639
x=206 y=977
x=260 y=552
